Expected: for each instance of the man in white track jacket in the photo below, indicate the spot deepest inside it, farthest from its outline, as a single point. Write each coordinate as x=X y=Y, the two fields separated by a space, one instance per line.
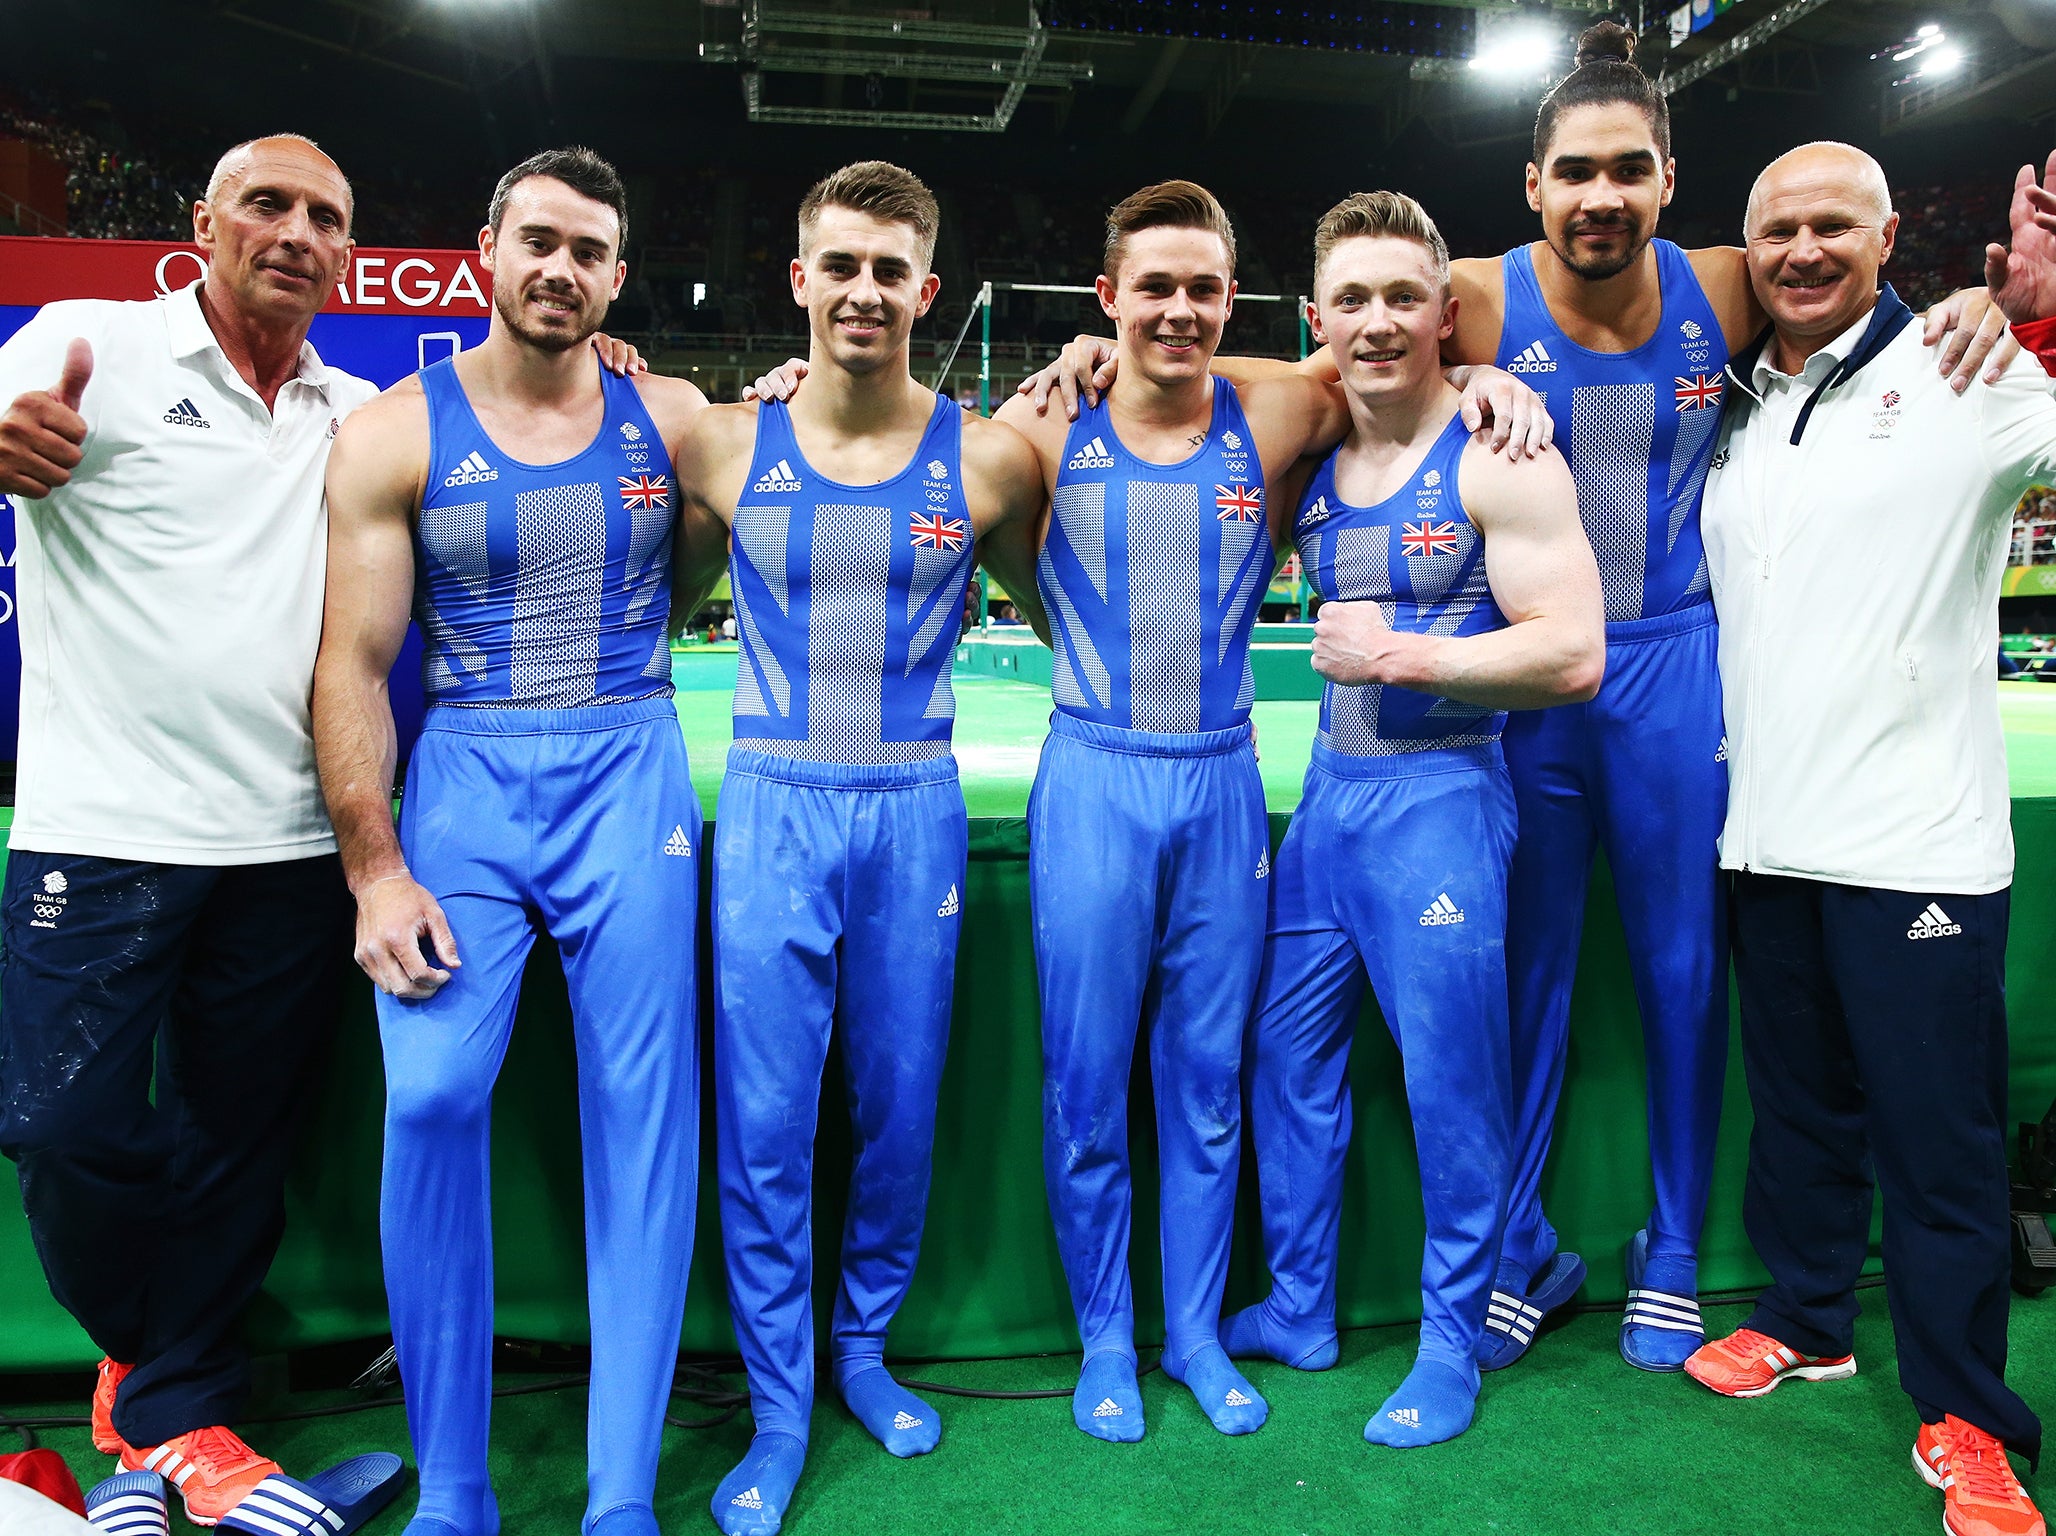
x=1856 y=524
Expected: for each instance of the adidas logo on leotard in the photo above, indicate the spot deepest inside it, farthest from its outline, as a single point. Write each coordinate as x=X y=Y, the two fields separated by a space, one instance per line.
x=749 y=1498
x=1720 y=753
x=1317 y=513
x=186 y=414
x=1107 y=1409
x=1441 y=913
x=1410 y=1417
x=779 y=477
x=950 y=906
x=473 y=471
x=1093 y=455
x=1263 y=863
x=1534 y=358
x=905 y=1420
x=1933 y=923
x=678 y=843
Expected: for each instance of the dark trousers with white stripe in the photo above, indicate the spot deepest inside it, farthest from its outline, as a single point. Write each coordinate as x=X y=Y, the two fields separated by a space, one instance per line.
x=156 y=1026
x=1874 y=1039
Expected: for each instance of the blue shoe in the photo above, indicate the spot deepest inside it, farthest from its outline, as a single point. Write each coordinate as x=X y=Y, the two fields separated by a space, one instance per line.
x=130 y=1504
x=1662 y=1326
x=1519 y=1308
x=331 y=1503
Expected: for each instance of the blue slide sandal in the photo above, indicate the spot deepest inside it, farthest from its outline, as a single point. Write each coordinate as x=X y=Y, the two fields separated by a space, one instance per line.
x=331 y=1503
x=1515 y=1314
x=130 y=1504
x=1660 y=1329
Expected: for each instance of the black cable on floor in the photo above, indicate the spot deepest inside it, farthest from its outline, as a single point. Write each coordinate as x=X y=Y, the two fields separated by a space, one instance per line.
x=1004 y=1397
x=700 y=1390
x=700 y=1383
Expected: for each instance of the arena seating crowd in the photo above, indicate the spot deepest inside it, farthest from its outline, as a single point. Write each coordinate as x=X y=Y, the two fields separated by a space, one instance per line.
x=2034 y=529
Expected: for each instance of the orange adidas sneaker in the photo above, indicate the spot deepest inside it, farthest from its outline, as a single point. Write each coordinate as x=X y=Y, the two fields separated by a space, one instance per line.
x=105 y=1440
x=211 y=1468
x=1748 y=1364
x=1980 y=1494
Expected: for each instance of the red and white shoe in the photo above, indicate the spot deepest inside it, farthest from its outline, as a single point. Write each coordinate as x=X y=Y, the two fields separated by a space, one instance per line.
x=105 y=1440
x=1980 y=1494
x=1748 y=1364
x=211 y=1469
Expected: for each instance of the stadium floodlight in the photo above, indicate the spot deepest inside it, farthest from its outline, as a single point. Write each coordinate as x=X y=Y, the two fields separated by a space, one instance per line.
x=1926 y=38
x=1522 y=50
x=1943 y=61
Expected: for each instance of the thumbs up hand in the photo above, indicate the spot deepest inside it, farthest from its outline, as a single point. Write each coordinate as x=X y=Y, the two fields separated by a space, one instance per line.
x=42 y=433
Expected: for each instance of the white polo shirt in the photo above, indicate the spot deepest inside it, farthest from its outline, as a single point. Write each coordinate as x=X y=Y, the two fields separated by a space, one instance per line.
x=169 y=598
x=1856 y=575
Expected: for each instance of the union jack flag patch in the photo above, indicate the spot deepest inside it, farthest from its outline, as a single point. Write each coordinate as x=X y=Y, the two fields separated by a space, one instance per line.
x=934 y=531
x=645 y=490
x=1697 y=392
x=1238 y=503
x=1427 y=537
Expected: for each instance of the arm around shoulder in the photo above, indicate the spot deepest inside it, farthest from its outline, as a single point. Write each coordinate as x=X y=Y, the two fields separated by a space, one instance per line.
x=1006 y=489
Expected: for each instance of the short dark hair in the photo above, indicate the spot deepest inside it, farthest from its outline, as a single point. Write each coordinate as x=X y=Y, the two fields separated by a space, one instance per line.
x=887 y=192
x=579 y=169
x=1166 y=205
x=1606 y=75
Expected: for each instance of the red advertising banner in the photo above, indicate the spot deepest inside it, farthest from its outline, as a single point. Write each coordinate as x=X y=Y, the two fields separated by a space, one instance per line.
x=381 y=281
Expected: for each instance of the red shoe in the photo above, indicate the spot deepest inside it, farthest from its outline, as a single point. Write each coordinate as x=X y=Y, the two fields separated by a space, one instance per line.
x=1980 y=1494
x=211 y=1468
x=105 y=1440
x=1748 y=1364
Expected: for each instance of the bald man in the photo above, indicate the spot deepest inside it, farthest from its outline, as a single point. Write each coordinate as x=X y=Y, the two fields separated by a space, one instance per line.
x=172 y=897
x=1855 y=523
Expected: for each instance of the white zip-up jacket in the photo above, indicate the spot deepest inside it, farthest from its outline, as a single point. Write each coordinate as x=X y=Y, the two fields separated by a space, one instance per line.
x=1856 y=522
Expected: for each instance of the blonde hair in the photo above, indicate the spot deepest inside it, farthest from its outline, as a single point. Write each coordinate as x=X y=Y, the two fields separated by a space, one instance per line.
x=1167 y=205
x=884 y=191
x=1390 y=215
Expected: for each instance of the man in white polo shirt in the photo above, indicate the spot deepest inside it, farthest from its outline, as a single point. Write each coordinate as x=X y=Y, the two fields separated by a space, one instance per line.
x=172 y=898
x=1856 y=525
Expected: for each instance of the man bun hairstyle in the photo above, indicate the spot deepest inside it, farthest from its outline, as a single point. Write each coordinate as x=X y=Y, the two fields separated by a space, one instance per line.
x=579 y=169
x=1605 y=75
x=1391 y=215
x=887 y=192
x=1167 y=205
x=1605 y=40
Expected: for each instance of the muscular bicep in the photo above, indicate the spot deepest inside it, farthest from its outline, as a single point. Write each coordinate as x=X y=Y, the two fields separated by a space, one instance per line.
x=1293 y=416
x=374 y=485
x=1537 y=558
x=1723 y=273
x=713 y=459
x=1284 y=494
x=1477 y=286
